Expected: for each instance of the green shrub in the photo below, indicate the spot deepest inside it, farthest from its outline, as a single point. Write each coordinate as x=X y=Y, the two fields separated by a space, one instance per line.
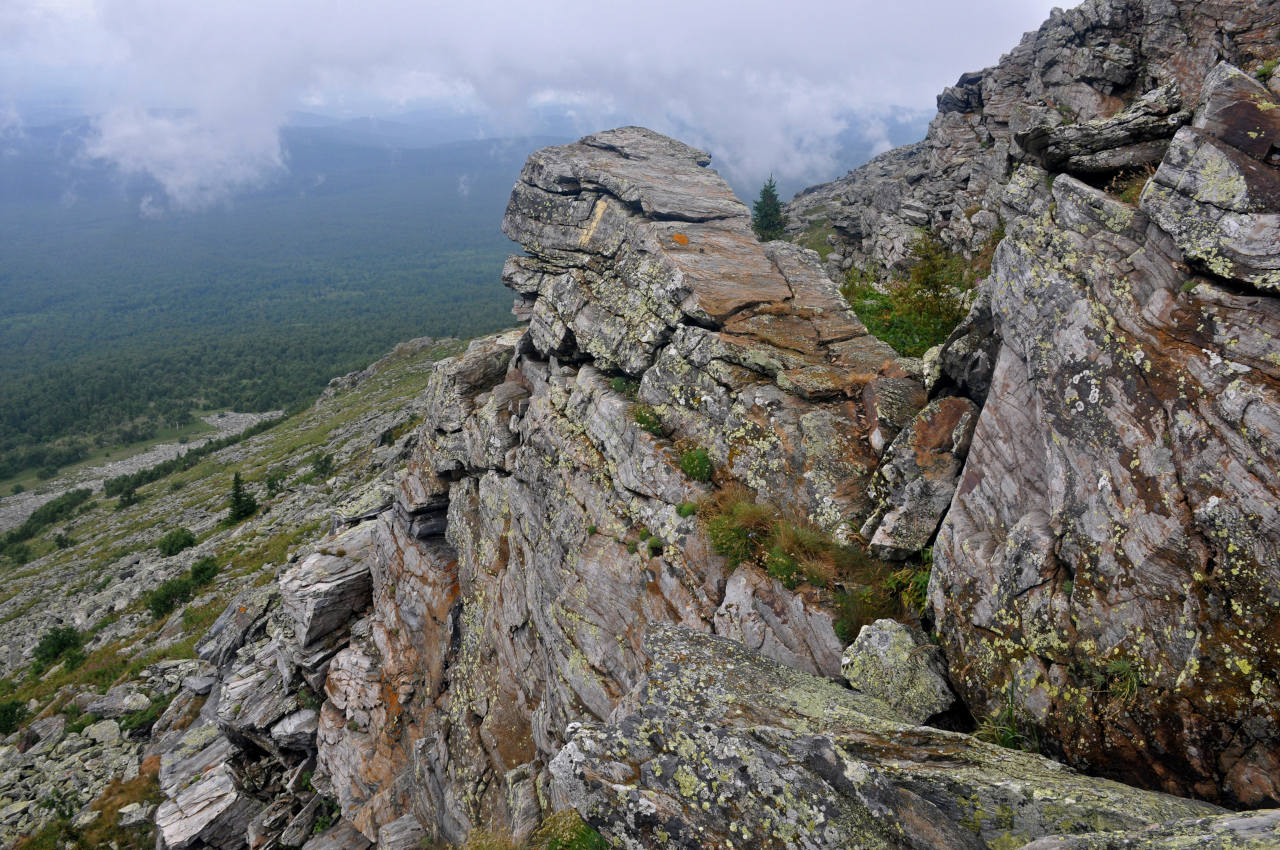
x=19 y=553
x=1266 y=70
x=655 y=547
x=171 y=593
x=591 y=530
x=566 y=831
x=686 y=509
x=12 y=713
x=204 y=570
x=647 y=418
x=696 y=464
x=321 y=465
x=739 y=529
x=57 y=642
x=128 y=497
x=626 y=387
x=275 y=480
x=917 y=313
x=175 y=541
x=147 y=717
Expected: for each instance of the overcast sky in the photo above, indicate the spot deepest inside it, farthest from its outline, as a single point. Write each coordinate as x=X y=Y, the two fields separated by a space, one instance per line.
x=194 y=91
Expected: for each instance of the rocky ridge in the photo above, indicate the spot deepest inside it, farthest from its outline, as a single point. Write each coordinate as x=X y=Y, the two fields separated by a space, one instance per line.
x=95 y=733
x=475 y=654
x=526 y=618
x=1096 y=89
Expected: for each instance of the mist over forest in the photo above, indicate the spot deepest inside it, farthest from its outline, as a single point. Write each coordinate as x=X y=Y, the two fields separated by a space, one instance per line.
x=121 y=315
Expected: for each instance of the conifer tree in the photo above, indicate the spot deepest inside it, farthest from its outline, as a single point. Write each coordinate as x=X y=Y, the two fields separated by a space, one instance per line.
x=767 y=219
x=243 y=505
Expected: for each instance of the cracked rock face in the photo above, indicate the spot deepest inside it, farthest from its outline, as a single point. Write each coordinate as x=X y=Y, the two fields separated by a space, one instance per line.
x=723 y=749
x=1111 y=559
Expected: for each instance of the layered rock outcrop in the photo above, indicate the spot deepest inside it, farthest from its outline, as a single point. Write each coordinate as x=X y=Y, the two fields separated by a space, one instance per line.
x=475 y=654
x=454 y=638
x=1097 y=88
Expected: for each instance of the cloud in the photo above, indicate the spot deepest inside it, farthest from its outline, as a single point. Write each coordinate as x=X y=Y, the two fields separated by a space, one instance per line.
x=198 y=161
x=765 y=88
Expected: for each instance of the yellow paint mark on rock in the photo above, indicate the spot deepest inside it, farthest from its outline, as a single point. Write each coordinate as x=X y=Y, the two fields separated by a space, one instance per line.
x=590 y=230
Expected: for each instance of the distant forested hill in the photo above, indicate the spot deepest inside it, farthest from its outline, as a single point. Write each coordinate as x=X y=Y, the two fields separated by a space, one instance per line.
x=111 y=322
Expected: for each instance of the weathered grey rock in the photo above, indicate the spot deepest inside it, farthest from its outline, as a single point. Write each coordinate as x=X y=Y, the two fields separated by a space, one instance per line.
x=302 y=825
x=323 y=591
x=402 y=834
x=134 y=814
x=1115 y=526
x=917 y=477
x=199 y=685
x=243 y=618
x=341 y=836
x=103 y=732
x=1245 y=831
x=760 y=613
x=296 y=731
x=211 y=812
x=1137 y=135
x=119 y=701
x=897 y=664
x=1237 y=109
x=1064 y=90
x=1217 y=193
x=44 y=734
x=725 y=748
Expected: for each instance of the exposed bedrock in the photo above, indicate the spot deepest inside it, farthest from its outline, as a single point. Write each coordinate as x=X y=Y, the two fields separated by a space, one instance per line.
x=424 y=666
x=1110 y=563
x=721 y=748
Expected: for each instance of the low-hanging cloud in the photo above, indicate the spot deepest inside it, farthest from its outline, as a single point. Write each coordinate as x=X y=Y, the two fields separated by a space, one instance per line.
x=194 y=95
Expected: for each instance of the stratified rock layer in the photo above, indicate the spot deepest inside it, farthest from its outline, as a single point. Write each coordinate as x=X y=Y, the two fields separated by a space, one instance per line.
x=452 y=638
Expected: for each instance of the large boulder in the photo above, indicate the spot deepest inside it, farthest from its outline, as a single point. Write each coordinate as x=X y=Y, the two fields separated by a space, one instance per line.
x=897 y=663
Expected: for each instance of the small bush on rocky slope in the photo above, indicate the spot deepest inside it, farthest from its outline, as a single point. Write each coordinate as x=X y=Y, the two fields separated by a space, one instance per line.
x=175 y=541
x=56 y=644
x=919 y=312
x=696 y=464
x=794 y=551
x=171 y=593
x=562 y=831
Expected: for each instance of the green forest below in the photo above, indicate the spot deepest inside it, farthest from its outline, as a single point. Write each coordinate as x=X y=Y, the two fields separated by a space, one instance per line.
x=113 y=325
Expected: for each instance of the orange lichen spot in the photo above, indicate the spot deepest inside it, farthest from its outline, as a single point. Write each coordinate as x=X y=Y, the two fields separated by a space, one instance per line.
x=680 y=239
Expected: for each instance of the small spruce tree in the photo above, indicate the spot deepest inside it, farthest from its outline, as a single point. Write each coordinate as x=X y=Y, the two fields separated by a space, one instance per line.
x=767 y=219
x=243 y=505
